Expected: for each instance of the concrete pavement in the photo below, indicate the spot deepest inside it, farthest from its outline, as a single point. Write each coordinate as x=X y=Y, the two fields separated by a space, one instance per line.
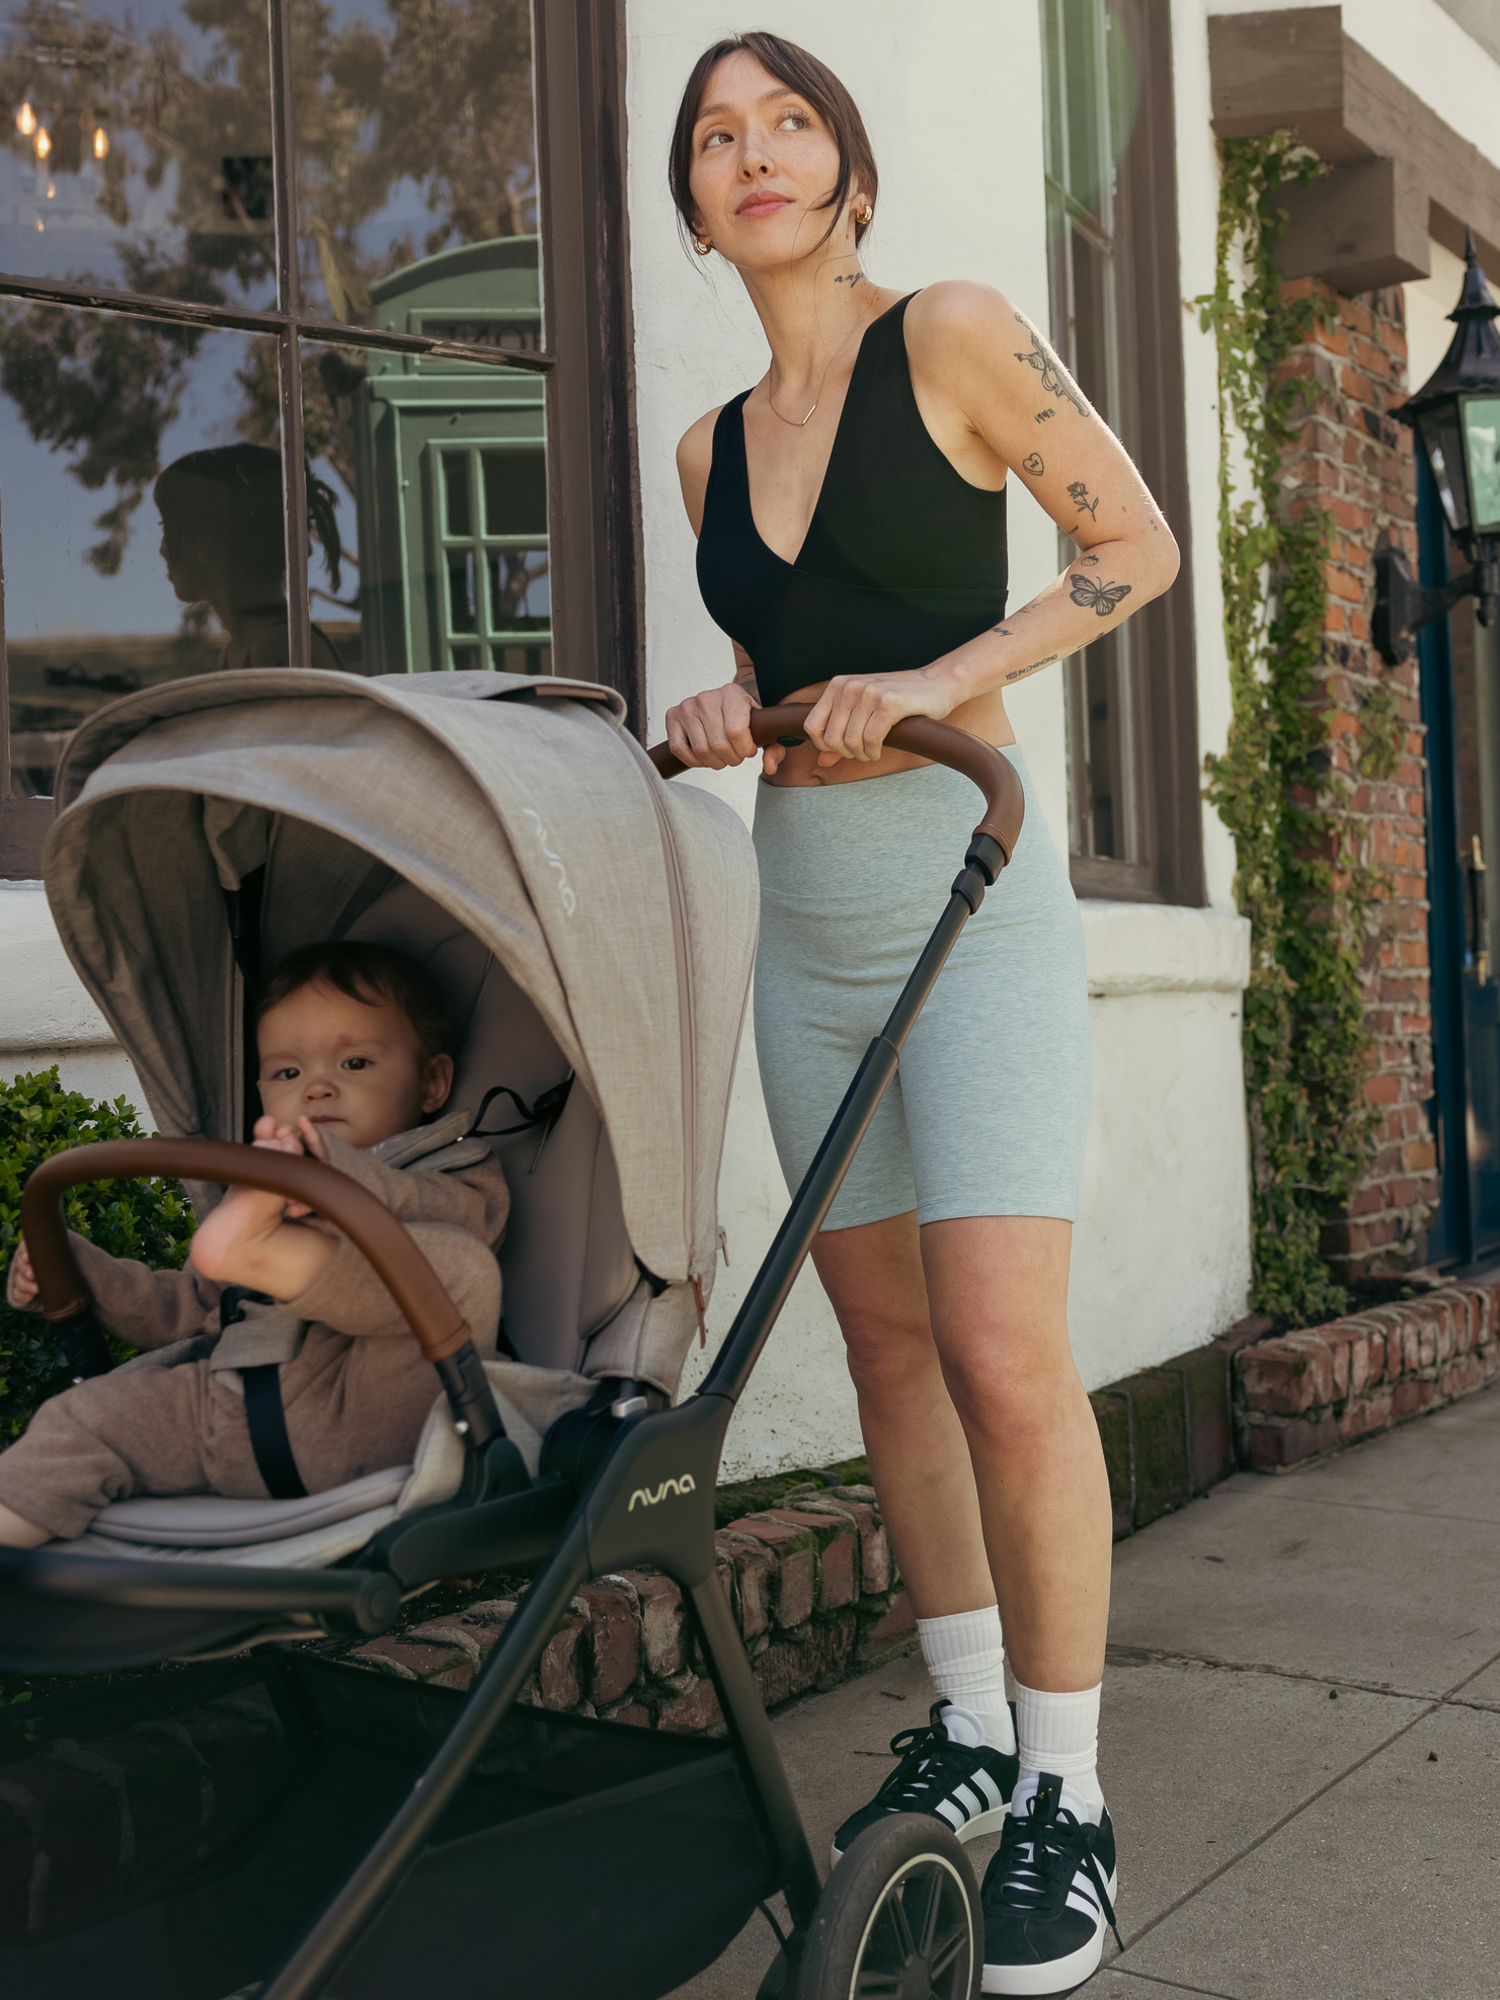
x=1301 y=1738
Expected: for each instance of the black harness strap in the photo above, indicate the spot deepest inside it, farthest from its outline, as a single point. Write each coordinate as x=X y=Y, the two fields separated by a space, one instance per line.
x=268 y=1439
x=265 y=1416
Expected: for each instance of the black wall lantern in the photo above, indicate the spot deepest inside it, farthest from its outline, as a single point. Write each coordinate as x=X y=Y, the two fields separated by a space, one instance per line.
x=1456 y=416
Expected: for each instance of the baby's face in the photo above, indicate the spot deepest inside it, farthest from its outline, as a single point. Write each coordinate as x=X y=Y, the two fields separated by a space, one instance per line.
x=354 y=1067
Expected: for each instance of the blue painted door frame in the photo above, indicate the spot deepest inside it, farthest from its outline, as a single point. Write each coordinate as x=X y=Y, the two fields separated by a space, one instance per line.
x=1465 y=993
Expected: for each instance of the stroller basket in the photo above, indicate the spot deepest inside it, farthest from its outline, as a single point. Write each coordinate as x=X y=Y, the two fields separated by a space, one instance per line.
x=566 y=1829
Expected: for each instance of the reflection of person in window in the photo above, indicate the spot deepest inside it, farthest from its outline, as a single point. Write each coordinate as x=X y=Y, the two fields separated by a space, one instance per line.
x=223 y=541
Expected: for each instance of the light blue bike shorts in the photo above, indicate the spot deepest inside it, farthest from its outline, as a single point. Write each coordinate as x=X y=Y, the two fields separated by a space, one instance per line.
x=990 y=1110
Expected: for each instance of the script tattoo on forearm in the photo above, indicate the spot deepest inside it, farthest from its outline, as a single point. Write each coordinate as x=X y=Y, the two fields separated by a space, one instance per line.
x=1055 y=378
x=745 y=677
x=1020 y=673
x=1105 y=598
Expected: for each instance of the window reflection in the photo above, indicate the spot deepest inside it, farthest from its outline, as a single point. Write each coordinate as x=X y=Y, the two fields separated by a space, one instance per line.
x=440 y=468
x=414 y=135
x=141 y=487
x=138 y=147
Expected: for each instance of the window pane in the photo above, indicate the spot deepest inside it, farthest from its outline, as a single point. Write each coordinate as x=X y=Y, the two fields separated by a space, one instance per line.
x=140 y=481
x=139 y=147
x=415 y=137
x=435 y=474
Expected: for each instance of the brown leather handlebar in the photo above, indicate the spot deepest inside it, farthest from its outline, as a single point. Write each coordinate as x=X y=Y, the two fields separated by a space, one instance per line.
x=437 y=1323
x=1004 y=800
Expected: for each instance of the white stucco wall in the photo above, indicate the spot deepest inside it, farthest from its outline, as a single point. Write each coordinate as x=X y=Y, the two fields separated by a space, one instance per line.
x=1161 y=1249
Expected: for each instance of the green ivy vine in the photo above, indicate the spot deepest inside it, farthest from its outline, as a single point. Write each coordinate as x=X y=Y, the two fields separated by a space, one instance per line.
x=1301 y=879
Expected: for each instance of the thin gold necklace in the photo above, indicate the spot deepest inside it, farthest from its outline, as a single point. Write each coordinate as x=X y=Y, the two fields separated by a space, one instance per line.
x=801 y=423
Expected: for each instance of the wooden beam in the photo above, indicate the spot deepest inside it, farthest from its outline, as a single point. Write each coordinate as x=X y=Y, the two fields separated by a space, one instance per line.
x=1361 y=227
x=1297 y=69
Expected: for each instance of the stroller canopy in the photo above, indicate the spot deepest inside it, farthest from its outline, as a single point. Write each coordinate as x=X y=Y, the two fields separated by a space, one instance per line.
x=624 y=909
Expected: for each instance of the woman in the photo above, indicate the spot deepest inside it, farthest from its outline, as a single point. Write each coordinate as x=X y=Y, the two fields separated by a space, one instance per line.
x=850 y=510
x=223 y=540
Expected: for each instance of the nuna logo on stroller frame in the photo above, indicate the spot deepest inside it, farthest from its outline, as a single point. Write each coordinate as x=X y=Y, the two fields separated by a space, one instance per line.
x=678 y=1487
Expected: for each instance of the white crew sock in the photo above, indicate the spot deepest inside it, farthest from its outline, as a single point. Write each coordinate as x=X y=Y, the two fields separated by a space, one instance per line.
x=1059 y=1733
x=965 y=1655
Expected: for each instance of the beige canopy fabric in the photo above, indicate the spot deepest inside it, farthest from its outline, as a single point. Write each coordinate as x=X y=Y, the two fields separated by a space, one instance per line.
x=625 y=908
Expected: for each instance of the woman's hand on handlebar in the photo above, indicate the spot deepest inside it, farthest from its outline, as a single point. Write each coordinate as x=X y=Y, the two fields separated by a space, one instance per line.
x=711 y=731
x=856 y=712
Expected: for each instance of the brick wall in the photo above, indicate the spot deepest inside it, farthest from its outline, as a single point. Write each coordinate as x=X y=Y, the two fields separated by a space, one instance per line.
x=1353 y=462
x=812 y=1585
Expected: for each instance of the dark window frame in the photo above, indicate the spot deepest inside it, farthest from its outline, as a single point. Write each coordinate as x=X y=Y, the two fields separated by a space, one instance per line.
x=1167 y=770
x=594 y=514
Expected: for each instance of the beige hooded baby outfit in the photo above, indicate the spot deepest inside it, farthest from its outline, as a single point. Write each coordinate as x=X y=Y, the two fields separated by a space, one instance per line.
x=355 y=1388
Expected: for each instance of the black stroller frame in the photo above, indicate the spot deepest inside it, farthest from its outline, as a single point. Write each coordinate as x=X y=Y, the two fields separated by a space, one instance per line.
x=618 y=1488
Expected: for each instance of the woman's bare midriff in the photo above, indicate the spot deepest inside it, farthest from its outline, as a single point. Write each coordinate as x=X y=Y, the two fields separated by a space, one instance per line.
x=983 y=717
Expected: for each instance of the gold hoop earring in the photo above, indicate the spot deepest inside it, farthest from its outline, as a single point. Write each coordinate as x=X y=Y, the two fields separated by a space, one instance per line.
x=864 y=216
x=701 y=246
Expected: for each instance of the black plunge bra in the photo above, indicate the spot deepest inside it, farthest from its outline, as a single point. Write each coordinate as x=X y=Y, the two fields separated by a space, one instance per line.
x=903 y=559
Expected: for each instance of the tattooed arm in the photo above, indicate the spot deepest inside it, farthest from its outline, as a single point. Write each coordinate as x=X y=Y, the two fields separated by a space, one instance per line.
x=998 y=400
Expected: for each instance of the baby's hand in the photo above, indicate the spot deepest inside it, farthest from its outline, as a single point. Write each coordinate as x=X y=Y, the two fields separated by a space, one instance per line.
x=20 y=1280
x=272 y=1137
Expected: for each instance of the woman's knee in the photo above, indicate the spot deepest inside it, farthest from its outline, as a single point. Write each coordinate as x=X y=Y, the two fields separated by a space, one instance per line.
x=887 y=1350
x=1008 y=1385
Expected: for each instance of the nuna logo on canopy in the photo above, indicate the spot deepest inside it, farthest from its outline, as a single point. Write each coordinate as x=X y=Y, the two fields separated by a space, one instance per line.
x=670 y=1488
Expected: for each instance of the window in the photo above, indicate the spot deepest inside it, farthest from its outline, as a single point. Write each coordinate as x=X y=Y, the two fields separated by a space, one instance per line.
x=1112 y=261
x=280 y=277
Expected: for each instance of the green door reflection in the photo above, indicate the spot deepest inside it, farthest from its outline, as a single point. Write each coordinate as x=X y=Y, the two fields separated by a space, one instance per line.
x=450 y=472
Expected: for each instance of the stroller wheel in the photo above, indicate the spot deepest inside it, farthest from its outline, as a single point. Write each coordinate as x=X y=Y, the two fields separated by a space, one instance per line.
x=898 y=1919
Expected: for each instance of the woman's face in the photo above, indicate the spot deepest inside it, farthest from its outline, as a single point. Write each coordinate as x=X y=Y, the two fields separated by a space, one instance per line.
x=762 y=162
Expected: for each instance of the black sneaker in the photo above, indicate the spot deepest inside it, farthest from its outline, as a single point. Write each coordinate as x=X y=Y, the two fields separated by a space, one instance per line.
x=947 y=1770
x=1048 y=1895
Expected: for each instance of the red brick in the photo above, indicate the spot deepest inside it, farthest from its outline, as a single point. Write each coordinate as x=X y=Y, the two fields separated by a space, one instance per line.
x=755 y=1570
x=661 y=1622
x=559 y=1674
x=838 y=1576
x=694 y=1706
x=616 y=1662
x=1275 y=1446
x=1410 y=1398
x=1286 y=1377
x=874 y=1549
x=1461 y=1376
x=406 y=1661
x=1366 y=1414
x=632 y=1713
x=795 y=1580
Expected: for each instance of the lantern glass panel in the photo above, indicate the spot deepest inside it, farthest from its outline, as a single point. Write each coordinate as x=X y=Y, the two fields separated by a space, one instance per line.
x=1482 y=440
x=1443 y=443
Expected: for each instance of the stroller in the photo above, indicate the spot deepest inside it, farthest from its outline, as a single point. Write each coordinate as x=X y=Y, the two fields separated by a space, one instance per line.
x=318 y=1829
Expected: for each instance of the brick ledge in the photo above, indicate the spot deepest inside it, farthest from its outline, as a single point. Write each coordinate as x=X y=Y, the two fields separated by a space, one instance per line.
x=1306 y=1394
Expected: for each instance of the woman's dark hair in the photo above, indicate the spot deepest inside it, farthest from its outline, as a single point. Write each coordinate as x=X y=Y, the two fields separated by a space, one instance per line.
x=247 y=477
x=811 y=79
x=370 y=973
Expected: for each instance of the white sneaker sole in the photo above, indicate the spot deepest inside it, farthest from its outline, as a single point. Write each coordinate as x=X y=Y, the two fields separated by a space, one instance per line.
x=974 y=1829
x=1059 y=1975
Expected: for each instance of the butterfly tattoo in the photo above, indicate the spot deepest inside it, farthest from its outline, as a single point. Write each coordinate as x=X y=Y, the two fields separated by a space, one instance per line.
x=1054 y=376
x=1102 y=597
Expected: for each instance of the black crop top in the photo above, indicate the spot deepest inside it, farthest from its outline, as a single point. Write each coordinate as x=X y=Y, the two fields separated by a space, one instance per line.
x=903 y=560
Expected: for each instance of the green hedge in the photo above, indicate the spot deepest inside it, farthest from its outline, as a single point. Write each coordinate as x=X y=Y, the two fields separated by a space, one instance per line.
x=147 y=1220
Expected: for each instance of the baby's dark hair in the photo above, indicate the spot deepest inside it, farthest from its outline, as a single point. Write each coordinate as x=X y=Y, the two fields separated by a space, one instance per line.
x=367 y=972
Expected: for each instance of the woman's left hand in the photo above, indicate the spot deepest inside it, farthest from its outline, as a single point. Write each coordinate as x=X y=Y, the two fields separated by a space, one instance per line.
x=856 y=712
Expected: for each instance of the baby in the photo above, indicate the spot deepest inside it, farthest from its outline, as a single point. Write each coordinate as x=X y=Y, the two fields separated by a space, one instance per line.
x=242 y=1395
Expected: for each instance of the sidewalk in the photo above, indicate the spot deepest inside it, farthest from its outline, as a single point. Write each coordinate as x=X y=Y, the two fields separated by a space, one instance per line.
x=1301 y=1742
